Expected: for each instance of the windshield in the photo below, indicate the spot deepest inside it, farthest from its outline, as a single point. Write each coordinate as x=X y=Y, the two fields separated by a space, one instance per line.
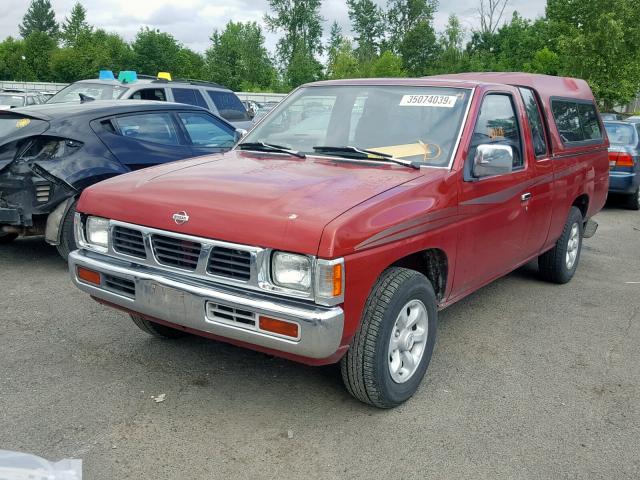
x=97 y=91
x=11 y=100
x=620 y=133
x=420 y=124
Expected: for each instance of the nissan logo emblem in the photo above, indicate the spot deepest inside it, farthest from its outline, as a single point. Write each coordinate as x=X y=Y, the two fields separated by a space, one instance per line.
x=180 y=218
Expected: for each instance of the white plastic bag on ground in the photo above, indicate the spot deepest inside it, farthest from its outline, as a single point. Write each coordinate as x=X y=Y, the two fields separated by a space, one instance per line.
x=23 y=466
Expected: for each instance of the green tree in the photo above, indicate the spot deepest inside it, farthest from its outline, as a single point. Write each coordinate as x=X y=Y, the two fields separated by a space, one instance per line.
x=40 y=17
x=367 y=22
x=419 y=49
x=75 y=28
x=333 y=47
x=345 y=64
x=452 y=56
x=387 y=65
x=12 y=61
x=403 y=15
x=301 y=42
x=599 y=41
x=239 y=59
x=38 y=47
x=155 y=51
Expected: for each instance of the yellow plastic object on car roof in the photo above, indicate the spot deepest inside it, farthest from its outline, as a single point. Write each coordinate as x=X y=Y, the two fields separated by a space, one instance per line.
x=164 y=76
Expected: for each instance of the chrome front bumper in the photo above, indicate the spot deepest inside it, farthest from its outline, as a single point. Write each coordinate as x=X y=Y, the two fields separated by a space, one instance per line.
x=184 y=301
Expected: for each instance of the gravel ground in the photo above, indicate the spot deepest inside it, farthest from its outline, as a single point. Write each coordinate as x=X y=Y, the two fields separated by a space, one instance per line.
x=528 y=380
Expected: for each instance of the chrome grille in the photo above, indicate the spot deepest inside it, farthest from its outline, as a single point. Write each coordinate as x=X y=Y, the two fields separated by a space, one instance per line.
x=119 y=285
x=230 y=315
x=43 y=191
x=176 y=252
x=229 y=262
x=129 y=242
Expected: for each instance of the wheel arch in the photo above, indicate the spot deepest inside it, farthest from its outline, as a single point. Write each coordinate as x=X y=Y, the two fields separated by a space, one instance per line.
x=582 y=203
x=433 y=263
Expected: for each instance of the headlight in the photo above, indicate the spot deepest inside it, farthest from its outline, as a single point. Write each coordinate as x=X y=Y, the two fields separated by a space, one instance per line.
x=97 y=229
x=291 y=271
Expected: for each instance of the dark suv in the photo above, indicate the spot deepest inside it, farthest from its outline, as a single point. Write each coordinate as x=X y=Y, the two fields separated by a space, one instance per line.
x=50 y=153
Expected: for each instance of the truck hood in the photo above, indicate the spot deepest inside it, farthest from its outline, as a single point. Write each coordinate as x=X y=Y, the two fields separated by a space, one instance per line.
x=265 y=200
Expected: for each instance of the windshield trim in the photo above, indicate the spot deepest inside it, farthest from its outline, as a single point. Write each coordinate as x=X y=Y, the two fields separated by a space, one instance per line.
x=454 y=150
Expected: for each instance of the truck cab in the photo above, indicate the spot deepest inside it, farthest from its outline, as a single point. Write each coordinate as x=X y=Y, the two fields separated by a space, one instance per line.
x=355 y=211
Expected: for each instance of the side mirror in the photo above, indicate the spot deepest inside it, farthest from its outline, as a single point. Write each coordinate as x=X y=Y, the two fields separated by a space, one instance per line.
x=492 y=160
x=239 y=133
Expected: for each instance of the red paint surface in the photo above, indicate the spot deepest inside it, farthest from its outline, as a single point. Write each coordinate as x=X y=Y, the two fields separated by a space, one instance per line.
x=374 y=216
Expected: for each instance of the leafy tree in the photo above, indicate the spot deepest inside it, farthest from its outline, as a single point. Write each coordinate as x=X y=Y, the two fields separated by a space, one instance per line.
x=345 y=64
x=238 y=57
x=75 y=27
x=301 y=25
x=388 y=65
x=333 y=47
x=12 y=61
x=155 y=51
x=599 y=41
x=40 y=17
x=419 y=49
x=452 y=55
x=404 y=15
x=38 y=47
x=367 y=20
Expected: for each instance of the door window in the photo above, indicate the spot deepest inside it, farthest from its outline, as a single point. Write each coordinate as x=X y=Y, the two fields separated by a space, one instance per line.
x=497 y=124
x=149 y=127
x=535 y=122
x=190 y=96
x=150 y=94
x=205 y=131
x=229 y=106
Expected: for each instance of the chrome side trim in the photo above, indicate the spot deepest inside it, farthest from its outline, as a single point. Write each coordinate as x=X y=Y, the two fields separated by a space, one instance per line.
x=182 y=301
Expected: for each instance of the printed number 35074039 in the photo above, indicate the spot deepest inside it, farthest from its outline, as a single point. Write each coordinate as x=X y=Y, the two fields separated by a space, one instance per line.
x=445 y=101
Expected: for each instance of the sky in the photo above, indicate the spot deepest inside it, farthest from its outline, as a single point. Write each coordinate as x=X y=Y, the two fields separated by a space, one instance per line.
x=192 y=21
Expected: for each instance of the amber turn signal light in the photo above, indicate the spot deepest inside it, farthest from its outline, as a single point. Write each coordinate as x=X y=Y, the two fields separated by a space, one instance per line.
x=88 y=276
x=337 y=280
x=273 y=325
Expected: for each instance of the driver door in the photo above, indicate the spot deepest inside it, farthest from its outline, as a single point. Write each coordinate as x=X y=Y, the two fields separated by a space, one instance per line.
x=493 y=208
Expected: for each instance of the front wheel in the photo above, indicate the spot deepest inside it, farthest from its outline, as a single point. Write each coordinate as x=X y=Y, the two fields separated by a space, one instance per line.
x=155 y=329
x=559 y=264
x=391 y=350
x=67 y=238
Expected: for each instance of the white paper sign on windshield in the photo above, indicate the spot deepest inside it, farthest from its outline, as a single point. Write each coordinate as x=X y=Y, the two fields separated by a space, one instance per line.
x=443 y=101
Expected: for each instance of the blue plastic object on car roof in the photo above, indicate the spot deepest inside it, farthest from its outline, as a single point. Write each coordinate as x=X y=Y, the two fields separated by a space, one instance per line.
x=127 y=76
x=106 y=75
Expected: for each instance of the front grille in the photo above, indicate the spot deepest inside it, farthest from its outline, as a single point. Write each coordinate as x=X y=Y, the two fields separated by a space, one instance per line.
x=176 y=252
x=43 y=192
x=129 y=242
x=119 y=285
x=227 y=314
x=229 y=262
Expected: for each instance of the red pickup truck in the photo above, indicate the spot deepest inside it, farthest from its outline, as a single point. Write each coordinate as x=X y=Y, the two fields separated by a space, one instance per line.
x=337 y=228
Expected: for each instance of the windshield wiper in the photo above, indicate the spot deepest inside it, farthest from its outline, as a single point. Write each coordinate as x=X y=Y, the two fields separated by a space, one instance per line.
x=269 y=147
x=363 y=154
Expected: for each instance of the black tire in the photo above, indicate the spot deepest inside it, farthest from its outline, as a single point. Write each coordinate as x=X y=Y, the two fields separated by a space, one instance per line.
x=553 y=264
x=7 y=237
x=67 y=238
x=633 y=200
x=155 y=329
x=365 y=366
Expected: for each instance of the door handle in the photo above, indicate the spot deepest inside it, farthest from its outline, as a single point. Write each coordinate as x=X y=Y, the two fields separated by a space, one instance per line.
x=525 y=196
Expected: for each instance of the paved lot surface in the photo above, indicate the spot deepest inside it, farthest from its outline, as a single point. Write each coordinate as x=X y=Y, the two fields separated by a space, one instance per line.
x=528 y=380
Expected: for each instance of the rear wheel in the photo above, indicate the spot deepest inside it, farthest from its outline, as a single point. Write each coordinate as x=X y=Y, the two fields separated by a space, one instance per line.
x=155 y=329
x=559 y=264
x=7 y=237
x=633 y=200
x=391 y=350
x=67 y=238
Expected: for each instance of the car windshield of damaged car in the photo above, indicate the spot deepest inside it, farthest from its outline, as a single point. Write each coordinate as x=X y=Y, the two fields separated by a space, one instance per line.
x=420 y=125
x=94 y=91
